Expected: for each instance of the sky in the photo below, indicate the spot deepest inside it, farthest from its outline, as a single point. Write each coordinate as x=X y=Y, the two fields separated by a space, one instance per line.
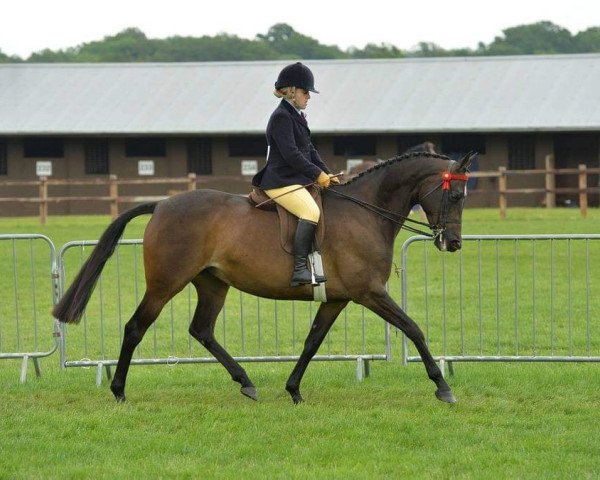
x=28 y=26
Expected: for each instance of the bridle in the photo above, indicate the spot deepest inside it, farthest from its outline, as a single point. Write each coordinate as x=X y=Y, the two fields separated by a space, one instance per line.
x=438 y=228
x=446 y=185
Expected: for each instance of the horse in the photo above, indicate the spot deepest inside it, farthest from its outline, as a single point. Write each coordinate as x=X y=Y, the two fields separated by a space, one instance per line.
x=217 y=240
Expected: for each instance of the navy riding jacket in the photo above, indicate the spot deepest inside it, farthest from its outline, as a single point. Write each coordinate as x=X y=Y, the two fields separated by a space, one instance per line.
x=292 y=157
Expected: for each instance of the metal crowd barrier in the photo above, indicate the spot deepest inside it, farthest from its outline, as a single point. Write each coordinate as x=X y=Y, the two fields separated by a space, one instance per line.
x=28 y=290
x=505 y=298
x=252 y=329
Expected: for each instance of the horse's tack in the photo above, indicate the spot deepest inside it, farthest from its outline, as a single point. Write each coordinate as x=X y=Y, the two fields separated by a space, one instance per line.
x=287 y=221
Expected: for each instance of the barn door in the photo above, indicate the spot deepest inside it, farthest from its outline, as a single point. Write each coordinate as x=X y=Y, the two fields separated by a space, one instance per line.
x=570 y=150
x=199 y=151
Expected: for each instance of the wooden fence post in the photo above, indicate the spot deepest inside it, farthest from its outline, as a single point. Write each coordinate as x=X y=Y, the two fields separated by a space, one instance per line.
x=113 y=192
x=550 y=182
x=502 y=190
x=191 y=181
x=583 y=196
x=43 y=194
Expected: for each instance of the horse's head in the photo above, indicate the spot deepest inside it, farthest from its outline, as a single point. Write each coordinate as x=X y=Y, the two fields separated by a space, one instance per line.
x=442 y=197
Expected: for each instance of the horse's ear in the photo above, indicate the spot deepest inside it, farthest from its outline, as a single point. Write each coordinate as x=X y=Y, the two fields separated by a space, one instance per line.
x=465 y=163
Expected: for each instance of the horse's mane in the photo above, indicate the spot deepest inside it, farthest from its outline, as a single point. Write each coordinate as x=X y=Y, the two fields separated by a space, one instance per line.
x=396 y=159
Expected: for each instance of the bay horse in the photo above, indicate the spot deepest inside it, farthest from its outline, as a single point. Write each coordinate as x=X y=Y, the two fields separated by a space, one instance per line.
x=217 y=240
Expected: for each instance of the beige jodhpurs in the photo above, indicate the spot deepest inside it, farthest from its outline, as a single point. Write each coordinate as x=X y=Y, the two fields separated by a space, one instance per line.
x=299 y=202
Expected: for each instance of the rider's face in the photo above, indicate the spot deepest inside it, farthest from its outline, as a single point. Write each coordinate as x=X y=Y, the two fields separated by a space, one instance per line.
x=301 y=98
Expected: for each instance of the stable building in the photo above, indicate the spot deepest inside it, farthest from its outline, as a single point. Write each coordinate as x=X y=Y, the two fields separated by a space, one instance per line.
x=76 y=121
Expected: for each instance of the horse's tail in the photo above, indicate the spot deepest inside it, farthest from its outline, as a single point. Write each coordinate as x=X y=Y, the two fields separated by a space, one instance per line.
x=71 y=306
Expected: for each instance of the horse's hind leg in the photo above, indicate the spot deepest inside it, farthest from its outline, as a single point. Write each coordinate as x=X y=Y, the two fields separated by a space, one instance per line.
x=324 y=319
x=145 y=314
x=386 y=308
x=211 y=297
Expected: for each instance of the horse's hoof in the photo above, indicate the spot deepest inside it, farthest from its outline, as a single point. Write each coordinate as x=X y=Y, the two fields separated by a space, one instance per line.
x=120 y=398
x=250 y=392
x=118 y=392
x=297 y=398
x=295 y=394
x=445 y=396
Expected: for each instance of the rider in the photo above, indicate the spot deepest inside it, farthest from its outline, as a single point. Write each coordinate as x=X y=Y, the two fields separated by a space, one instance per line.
x=293 y=161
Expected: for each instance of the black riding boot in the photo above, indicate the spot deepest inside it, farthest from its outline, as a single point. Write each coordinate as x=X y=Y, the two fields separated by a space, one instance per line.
x=305 y=234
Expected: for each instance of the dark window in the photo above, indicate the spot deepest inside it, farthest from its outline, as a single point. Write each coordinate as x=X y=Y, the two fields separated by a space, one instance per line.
x=3 y=157
x=406 y=142
x=458 y=145
x=355 y=146
x=200 y=156
x=43 y=147
x=96 y=156
x=145 y=147
x=247 y=146
x=521 y=152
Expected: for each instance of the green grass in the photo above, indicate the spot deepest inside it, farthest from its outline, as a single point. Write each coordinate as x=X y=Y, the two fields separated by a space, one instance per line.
x=512 y=421
x=189 y=421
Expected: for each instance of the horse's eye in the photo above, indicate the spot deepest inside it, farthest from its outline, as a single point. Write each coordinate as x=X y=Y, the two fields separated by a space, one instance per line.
x=456 y=196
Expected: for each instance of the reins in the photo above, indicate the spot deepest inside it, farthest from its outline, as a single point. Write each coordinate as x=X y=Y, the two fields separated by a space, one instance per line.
x=389 y=215
x=437 y=229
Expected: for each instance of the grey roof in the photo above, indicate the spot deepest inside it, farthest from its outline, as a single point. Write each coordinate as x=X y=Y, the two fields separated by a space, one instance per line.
x=525 y=93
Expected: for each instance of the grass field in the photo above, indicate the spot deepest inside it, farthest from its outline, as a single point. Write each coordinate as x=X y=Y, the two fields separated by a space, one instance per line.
x=189 y=421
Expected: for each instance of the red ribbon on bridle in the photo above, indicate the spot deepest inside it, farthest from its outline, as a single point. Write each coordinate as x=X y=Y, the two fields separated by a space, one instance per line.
x=447 y=178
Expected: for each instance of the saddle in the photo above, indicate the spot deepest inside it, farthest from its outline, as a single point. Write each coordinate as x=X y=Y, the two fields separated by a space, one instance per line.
x=287 y=221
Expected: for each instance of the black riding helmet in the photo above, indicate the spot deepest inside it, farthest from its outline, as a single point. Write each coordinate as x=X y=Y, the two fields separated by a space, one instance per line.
x=296 y=75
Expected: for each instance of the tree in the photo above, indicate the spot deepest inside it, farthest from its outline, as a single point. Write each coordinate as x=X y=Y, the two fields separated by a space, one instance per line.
x=290 y=44
x=587 y=41
x=372 y=50
x=129 y=45
x=50 y=56
x=429 y=49
x=222 y=47
x=4 y=58
x=536 y=38
x=283 y=42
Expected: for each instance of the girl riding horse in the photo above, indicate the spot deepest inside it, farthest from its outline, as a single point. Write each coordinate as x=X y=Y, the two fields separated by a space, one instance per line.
x=293 y=161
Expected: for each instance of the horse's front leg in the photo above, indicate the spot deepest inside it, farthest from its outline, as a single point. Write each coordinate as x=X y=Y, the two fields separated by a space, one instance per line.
x=324 y=319
x=382 y=304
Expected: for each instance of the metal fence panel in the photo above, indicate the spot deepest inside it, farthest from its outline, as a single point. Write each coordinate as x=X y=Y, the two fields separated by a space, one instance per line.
x=28 y=290
x=252 y=329
x=506 y=297
x=501 y=298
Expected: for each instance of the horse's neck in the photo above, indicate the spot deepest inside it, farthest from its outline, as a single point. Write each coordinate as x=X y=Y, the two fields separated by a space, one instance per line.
x=395 y=187
x=389 y=187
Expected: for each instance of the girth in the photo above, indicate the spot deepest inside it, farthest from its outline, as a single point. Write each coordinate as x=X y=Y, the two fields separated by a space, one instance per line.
x=287 y=221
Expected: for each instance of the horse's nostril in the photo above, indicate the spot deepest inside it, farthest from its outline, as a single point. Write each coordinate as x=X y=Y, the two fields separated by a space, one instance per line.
x=455 y=245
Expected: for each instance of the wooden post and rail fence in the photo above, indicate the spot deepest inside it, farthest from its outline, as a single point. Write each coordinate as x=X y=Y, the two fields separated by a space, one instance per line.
x=550 y=190
x=112 y=182
x=191 y=181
